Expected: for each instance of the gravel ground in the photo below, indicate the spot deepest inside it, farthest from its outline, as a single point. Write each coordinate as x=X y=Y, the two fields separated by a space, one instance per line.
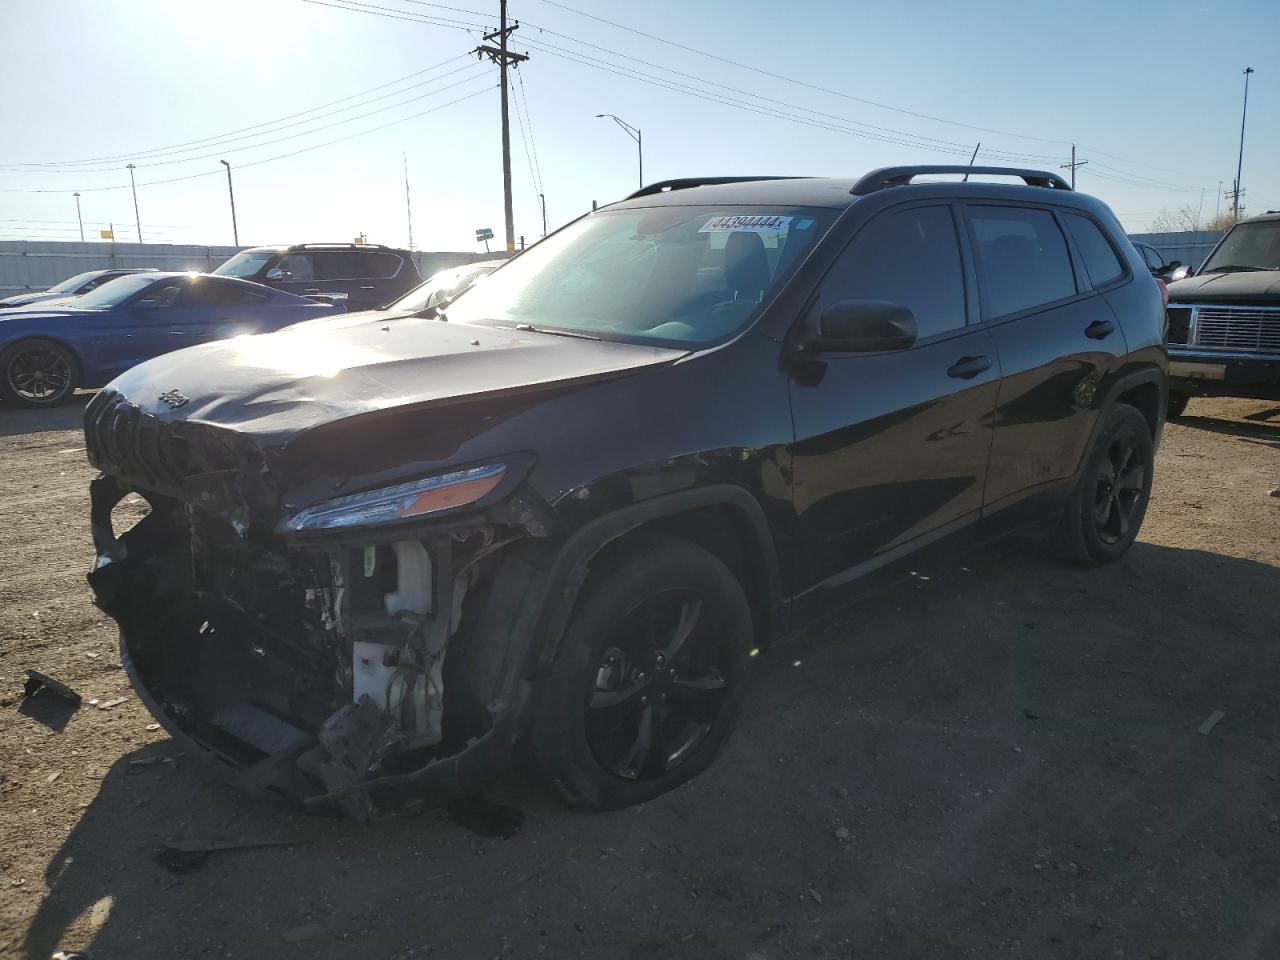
x=1004 y=759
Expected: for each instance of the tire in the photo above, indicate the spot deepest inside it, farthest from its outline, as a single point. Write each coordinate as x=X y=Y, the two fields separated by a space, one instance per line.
x=1107 y=507
x=647 y=680
x=1177 y=404
x=37 y=373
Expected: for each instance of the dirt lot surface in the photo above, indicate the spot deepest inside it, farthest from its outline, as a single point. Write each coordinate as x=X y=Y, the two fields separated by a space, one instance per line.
x=1004 y=759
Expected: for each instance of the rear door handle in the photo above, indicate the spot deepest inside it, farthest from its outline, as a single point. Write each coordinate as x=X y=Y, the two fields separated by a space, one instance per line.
x=311 y=290
x=1099 y=329
x=966 y=368
x=370 y=287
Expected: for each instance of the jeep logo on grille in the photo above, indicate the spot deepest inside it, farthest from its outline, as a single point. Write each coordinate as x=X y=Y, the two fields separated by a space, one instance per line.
x=174 y=399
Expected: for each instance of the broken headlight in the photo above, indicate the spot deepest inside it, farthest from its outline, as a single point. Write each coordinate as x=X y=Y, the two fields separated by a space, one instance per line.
x=402 y=502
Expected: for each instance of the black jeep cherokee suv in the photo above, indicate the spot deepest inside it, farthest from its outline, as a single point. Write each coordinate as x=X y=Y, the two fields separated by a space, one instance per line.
x=362 y=275
x=1224 y=323
x=563 y=511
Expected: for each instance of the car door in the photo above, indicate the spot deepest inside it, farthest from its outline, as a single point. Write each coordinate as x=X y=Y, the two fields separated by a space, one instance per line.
x=891 y=448
x=215 y=309
x=1057 y=338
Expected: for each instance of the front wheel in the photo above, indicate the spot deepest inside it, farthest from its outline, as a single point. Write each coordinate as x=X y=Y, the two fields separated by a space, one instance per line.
x=37 y=373
x=648 y=677
x=1108 y=505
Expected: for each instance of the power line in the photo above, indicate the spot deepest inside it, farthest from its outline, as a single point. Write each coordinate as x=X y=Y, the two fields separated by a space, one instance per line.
x=266 y=123
x=376 y=10
x=528 y=154
x=529 y=121
x=293 y=136
x=254 y=163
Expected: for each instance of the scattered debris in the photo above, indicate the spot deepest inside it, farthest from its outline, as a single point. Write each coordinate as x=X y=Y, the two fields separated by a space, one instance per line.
x=53 y=776
x=815 y=896
x=308 y=931
x=72 y=955
x=108 y=704
x=1207 y=727
x=37 y=682
x=843 y=834
x=1029 y=715
x=16 y=883
x=152 y=727
x=1275 y=492
x=180 y=856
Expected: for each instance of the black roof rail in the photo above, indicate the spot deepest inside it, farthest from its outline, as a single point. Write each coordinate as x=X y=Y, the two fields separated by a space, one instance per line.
x=887 y=177
x=339 y=246
x=684 y=183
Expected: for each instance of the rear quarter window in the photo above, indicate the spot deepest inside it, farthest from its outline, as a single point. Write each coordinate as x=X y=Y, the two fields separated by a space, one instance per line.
x=1022 y=259
x=1100 y=260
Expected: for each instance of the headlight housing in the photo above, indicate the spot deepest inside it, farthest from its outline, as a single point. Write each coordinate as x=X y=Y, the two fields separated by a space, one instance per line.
x=402 y=502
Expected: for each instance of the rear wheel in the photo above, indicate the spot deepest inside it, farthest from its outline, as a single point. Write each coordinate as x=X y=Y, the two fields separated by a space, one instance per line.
x=648 y=678
x=37 y=373
x=1108 y=505
x=1177 y=404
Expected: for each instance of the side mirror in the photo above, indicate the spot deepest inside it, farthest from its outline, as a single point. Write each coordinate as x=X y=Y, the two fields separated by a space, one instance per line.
x=865 y=326
x=275 y=273
x=1181 y=273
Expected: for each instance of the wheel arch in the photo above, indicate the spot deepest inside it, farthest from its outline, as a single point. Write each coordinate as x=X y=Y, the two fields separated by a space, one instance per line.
x=725 y=520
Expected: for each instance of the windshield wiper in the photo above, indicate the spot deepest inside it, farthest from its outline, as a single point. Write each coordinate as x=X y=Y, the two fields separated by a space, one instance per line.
x=1236 y=268
x=433 y=312
x=530 y=328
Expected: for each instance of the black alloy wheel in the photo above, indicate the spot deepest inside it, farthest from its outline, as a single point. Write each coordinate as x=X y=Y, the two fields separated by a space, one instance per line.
x=1120 y=481
x=648 y=677
x=658 y=687
x=37 y=373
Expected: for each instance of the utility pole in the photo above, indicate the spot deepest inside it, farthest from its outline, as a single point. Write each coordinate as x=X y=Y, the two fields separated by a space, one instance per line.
x=1234 y=194
x=235 y=230
x=408 y=208
x=1073 y=165
x=504 y=58
x=136 y=216
x=1240 y=162
x=1217 y=204
x=542 y=199
x=78 y=218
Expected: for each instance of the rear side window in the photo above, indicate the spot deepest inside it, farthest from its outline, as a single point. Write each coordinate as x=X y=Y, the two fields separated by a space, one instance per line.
x=1100 y=261
x=1022 y=259
x=346 y=266
x=381 y=266
x=911 y=257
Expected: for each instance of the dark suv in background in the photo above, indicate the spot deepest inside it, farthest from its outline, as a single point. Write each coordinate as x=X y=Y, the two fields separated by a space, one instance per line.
x=1224 y=323
x=381 y=556
x=364 y=275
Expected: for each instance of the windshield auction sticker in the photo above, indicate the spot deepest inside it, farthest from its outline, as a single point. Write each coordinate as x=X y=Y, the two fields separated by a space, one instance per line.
x=745 y=224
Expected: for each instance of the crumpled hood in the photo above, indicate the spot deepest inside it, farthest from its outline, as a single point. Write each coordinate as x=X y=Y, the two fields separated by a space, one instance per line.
x=276 y=385
x=1246 y=286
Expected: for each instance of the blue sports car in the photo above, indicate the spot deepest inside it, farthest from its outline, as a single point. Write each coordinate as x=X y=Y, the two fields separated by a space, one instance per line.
x=47 y=351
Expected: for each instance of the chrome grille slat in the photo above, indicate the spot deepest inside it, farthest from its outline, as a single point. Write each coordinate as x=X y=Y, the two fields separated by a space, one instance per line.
x=1242 y=328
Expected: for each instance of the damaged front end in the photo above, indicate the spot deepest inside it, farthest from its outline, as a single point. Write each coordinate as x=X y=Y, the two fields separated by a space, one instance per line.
x=333 y=658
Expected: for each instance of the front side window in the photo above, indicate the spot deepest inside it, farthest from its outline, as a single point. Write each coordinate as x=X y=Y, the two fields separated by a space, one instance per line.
x=1022 y=259
x=115 y=292
x=210 y=293
x=246 y=264
x=298 y=266
x=909 y=257
x=1248 y=247
x=1100 y=261
x=666 y=274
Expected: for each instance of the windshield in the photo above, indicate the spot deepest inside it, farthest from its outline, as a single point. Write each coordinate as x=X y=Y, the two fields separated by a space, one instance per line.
x=114 y=292
x=72 y=284
x=245 y=264
x=1253 y=246
x=676 y=275
x=442 y=286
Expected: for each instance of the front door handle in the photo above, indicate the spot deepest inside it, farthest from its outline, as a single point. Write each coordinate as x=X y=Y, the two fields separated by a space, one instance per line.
x=1099 y=329
x=366 y=288
x=966 y=368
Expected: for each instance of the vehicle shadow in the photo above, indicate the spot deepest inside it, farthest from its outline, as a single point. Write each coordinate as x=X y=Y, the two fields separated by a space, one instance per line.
x=15 y=421
x=1253 y=428
x=996 y=750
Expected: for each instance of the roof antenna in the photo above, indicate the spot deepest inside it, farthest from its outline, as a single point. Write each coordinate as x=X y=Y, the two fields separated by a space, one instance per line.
x=971 y=159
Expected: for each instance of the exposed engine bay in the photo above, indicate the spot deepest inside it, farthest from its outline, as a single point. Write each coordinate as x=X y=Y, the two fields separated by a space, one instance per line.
x=337 y=673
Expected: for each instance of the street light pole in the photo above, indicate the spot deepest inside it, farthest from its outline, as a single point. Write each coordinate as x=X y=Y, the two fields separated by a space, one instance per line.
x=79 y=219
x=634 y=133
x=136 y=216
x=1240 y=162
x=235 y=230
x=542 y=199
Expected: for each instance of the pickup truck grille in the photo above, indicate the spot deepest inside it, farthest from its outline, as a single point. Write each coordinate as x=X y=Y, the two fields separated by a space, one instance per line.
x=1238 y=328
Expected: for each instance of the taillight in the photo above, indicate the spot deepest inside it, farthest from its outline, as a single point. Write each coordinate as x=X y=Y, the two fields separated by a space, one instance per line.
x=1164 y=291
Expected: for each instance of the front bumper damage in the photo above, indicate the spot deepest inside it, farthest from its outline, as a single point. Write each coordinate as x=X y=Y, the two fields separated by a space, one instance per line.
x=354 y=674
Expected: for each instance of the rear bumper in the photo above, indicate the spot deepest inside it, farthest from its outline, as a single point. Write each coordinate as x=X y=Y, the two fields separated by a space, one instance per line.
x=1217 y=374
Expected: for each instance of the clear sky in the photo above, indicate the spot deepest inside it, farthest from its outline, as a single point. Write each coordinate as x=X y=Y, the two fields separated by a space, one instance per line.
x=1151 y=92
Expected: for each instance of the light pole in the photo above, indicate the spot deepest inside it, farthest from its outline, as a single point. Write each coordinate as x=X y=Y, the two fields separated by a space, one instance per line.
x=542 y=199
x=78 y=217
x=235 y=231
x=136 y=216
x=635 y=135
x=1240 y=163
